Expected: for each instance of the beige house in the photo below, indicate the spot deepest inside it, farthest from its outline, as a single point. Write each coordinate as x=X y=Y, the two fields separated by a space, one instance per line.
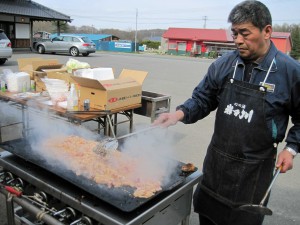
x=17 y=17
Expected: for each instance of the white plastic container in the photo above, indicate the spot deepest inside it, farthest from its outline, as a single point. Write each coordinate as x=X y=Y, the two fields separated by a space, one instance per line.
x=87 y=73
x=18 y=82
x=103 y=74
x=72 y=99
x=96 y=73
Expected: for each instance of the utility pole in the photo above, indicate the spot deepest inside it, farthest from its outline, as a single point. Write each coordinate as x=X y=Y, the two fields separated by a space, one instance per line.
x=204 y=18
x=135 y=36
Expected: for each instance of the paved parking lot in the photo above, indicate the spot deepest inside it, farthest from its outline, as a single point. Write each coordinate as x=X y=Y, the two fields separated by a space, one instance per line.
x=177 y=76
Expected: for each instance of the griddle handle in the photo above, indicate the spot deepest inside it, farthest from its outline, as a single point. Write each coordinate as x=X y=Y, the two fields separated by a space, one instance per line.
x=13 y=191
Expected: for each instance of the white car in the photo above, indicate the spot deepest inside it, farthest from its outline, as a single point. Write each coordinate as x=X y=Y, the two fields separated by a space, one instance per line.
x=5 y=47
x=73 y=45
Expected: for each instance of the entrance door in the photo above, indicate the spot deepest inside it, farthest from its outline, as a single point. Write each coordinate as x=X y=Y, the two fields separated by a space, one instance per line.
x=9 y=31
x=11 y=34
x=181 y=46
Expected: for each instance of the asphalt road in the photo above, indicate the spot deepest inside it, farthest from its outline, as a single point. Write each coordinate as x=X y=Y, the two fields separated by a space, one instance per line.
x=177 y=76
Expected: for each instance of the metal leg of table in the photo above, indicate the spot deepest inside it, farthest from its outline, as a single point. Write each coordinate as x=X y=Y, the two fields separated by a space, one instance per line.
x=111 y=127
x=27 y=123
x=111 y=122
x=100 y=124
x=115 y=123
x=99 y=127
x=129 y=115
x=23 y=121
x=106 y=126
x=0 y=132
x=130 y=120
x=153 y=114
x=186 y=220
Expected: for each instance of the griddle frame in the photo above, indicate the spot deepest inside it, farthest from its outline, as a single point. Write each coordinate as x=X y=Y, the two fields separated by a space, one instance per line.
x=173 y=206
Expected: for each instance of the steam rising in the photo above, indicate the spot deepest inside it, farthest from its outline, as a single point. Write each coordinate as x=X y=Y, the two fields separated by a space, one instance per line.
x=153 y=148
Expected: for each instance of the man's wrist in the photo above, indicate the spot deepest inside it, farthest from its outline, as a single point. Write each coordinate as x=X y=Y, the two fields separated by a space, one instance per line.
x=179 y=114
x=290 y=150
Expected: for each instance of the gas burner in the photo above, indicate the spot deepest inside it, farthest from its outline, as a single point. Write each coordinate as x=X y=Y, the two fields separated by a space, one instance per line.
x=47 y=199
x=65 y=215
x=84 y=220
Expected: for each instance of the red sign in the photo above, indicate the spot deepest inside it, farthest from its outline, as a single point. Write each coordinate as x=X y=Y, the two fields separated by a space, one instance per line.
x=111 y=100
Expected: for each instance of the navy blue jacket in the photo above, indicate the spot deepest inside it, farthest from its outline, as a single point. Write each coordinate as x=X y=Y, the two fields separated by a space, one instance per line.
x=282 y=100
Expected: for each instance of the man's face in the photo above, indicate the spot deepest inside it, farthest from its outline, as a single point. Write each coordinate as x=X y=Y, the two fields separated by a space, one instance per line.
x=251 y=42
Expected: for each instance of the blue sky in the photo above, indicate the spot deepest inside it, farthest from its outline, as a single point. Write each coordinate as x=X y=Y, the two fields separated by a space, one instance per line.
x=163 y=14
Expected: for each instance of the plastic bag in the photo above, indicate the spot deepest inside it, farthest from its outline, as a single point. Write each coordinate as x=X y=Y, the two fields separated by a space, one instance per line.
x=75 y=64
x=6 y=73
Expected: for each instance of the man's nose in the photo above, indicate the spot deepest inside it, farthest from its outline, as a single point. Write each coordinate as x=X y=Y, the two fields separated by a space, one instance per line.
x=239 y=39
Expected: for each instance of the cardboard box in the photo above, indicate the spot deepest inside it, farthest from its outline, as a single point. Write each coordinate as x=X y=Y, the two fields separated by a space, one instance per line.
x=35 y=65
x=39 y=68
x=124 y=91
x=25 y=64
x=61 y=76
x=39 y=84
x=52 y=72
x=35 y=68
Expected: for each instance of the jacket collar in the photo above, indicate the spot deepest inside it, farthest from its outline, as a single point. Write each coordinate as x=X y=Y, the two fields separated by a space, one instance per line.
x=266 y=62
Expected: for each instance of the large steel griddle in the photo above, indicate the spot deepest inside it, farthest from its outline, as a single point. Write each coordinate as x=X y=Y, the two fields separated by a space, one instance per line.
x=121 y=197
x=168 y=208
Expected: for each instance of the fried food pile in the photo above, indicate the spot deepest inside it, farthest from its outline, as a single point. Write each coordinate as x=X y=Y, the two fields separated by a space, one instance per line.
x=189 y=167
x=115 y=169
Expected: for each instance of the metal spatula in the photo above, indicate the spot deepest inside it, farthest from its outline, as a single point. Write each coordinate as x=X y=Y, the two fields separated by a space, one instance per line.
x=261 y=209
x=108 y=144
x=105 y=146
x=112 y=144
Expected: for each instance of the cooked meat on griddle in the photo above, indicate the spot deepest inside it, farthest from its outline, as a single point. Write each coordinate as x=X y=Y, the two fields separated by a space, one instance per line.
x=189 y=167
x=114 y=170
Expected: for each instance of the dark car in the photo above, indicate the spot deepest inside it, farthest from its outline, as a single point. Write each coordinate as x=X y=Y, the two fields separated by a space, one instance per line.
x=73 y=45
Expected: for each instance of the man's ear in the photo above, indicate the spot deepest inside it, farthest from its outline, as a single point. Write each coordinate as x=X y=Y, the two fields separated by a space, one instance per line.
x=268 y=31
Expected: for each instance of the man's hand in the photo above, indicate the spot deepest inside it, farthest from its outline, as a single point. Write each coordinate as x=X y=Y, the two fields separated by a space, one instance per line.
x=168 y=119
x=285 y=159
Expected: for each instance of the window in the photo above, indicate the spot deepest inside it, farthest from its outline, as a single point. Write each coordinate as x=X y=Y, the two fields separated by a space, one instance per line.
x=86 y=40
x=2 y=35
x=172 y=45
x=57 y=39
x=68 y=39
x=75 y=39
x=182 y=46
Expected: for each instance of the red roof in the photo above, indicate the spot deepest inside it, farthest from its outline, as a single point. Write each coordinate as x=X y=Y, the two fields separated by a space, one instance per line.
x=285 y=35
x=283 y=41
x=220 y=35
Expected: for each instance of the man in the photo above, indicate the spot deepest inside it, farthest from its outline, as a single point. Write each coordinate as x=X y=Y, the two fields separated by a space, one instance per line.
x=255 y=89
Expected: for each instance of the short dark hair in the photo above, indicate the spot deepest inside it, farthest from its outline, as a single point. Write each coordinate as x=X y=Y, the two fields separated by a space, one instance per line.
x=251 y=11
